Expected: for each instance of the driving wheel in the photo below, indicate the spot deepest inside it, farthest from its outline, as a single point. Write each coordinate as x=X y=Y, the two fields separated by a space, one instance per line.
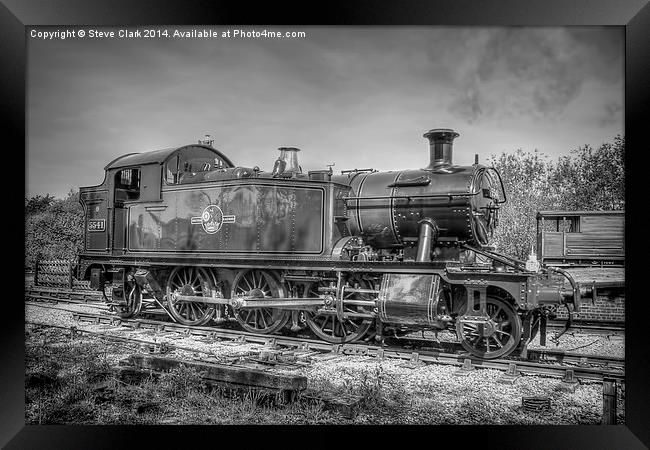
x=327 y=326
x=258 y=284
x=190 y=281
x=498 y=337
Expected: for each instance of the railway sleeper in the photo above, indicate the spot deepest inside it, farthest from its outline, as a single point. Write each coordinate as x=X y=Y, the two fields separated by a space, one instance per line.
x=239 y=376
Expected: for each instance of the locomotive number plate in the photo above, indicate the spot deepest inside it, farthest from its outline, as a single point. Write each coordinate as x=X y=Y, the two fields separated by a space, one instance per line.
x=97 y=225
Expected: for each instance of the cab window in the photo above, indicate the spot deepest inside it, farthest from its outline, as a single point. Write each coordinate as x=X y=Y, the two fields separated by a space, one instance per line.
x=127 y=184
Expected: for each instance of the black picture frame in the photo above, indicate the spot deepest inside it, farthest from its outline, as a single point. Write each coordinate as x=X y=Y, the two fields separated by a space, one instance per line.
x=634 y=15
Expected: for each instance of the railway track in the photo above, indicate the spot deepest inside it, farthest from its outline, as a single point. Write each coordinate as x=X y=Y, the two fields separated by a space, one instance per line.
x=533 y=355
x=63 y=295
x=541 y=362
x=587 y=327
x=556 y=364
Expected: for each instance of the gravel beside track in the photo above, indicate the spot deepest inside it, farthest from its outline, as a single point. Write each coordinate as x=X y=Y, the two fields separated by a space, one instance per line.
x=587 y=344
x=432 y=394
x=423 y=394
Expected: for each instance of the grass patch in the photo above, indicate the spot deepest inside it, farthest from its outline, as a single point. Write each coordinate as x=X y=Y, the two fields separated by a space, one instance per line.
x=69 y=381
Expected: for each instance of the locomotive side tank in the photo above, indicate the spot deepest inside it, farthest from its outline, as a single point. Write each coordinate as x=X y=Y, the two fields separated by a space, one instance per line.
x=239 y=217
x=386 y=208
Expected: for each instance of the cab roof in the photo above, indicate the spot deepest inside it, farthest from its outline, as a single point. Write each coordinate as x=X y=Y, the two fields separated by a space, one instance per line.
x=157 y=157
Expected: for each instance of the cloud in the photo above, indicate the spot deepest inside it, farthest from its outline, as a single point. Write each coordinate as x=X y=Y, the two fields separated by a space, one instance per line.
x=497 y=73
x=611 y=114
x=354 y=96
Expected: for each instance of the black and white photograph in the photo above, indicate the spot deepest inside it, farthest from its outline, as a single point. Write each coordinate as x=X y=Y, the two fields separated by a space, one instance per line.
x=325 y=225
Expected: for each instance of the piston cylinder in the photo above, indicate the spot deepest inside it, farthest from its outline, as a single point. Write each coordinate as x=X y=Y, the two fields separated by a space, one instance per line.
x=409 y=299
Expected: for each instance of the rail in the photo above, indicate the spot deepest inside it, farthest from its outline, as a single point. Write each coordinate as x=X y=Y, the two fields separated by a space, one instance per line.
x=426 y=356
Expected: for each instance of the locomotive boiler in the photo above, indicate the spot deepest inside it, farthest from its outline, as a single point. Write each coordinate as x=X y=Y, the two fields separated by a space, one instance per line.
x=356 y=256
x=460 y=204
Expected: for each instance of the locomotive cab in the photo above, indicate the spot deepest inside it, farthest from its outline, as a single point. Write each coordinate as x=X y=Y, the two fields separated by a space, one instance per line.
x=138 y=178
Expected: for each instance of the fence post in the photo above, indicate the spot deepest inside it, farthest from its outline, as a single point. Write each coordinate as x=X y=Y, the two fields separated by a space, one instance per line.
x=36 y=272
x=70 y=274
x=609 y=402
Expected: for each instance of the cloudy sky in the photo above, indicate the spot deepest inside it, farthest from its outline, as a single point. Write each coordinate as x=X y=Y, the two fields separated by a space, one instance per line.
x=355 y=96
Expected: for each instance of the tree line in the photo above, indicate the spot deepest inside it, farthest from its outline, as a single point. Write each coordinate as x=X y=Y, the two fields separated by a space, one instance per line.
x=587 y=179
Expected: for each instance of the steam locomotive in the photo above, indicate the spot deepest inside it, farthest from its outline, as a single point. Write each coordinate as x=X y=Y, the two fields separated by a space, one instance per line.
x=352 y=256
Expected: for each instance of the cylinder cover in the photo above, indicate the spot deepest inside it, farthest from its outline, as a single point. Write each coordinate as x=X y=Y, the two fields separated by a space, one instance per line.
x=410 y=299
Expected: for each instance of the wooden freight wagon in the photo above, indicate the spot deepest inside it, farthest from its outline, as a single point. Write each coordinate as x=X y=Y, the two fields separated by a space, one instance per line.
x=590 y=245
x=581 y=238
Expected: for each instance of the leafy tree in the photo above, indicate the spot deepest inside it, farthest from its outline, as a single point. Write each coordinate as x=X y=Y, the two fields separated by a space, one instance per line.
x=526 y=180
x=37 y=203
x=53 y=228
x=593 y=179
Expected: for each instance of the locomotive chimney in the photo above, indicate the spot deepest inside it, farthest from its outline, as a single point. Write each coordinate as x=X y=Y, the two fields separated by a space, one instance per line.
x=440 y=146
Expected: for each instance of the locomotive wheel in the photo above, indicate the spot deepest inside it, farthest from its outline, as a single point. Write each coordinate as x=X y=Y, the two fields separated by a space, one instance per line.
x=190 y=281
x=133 y=302
x=259 y=284
x=498 y=338
x=329 y=328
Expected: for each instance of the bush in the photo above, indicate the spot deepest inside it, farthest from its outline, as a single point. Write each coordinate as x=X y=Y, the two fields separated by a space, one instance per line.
x=53 y=228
